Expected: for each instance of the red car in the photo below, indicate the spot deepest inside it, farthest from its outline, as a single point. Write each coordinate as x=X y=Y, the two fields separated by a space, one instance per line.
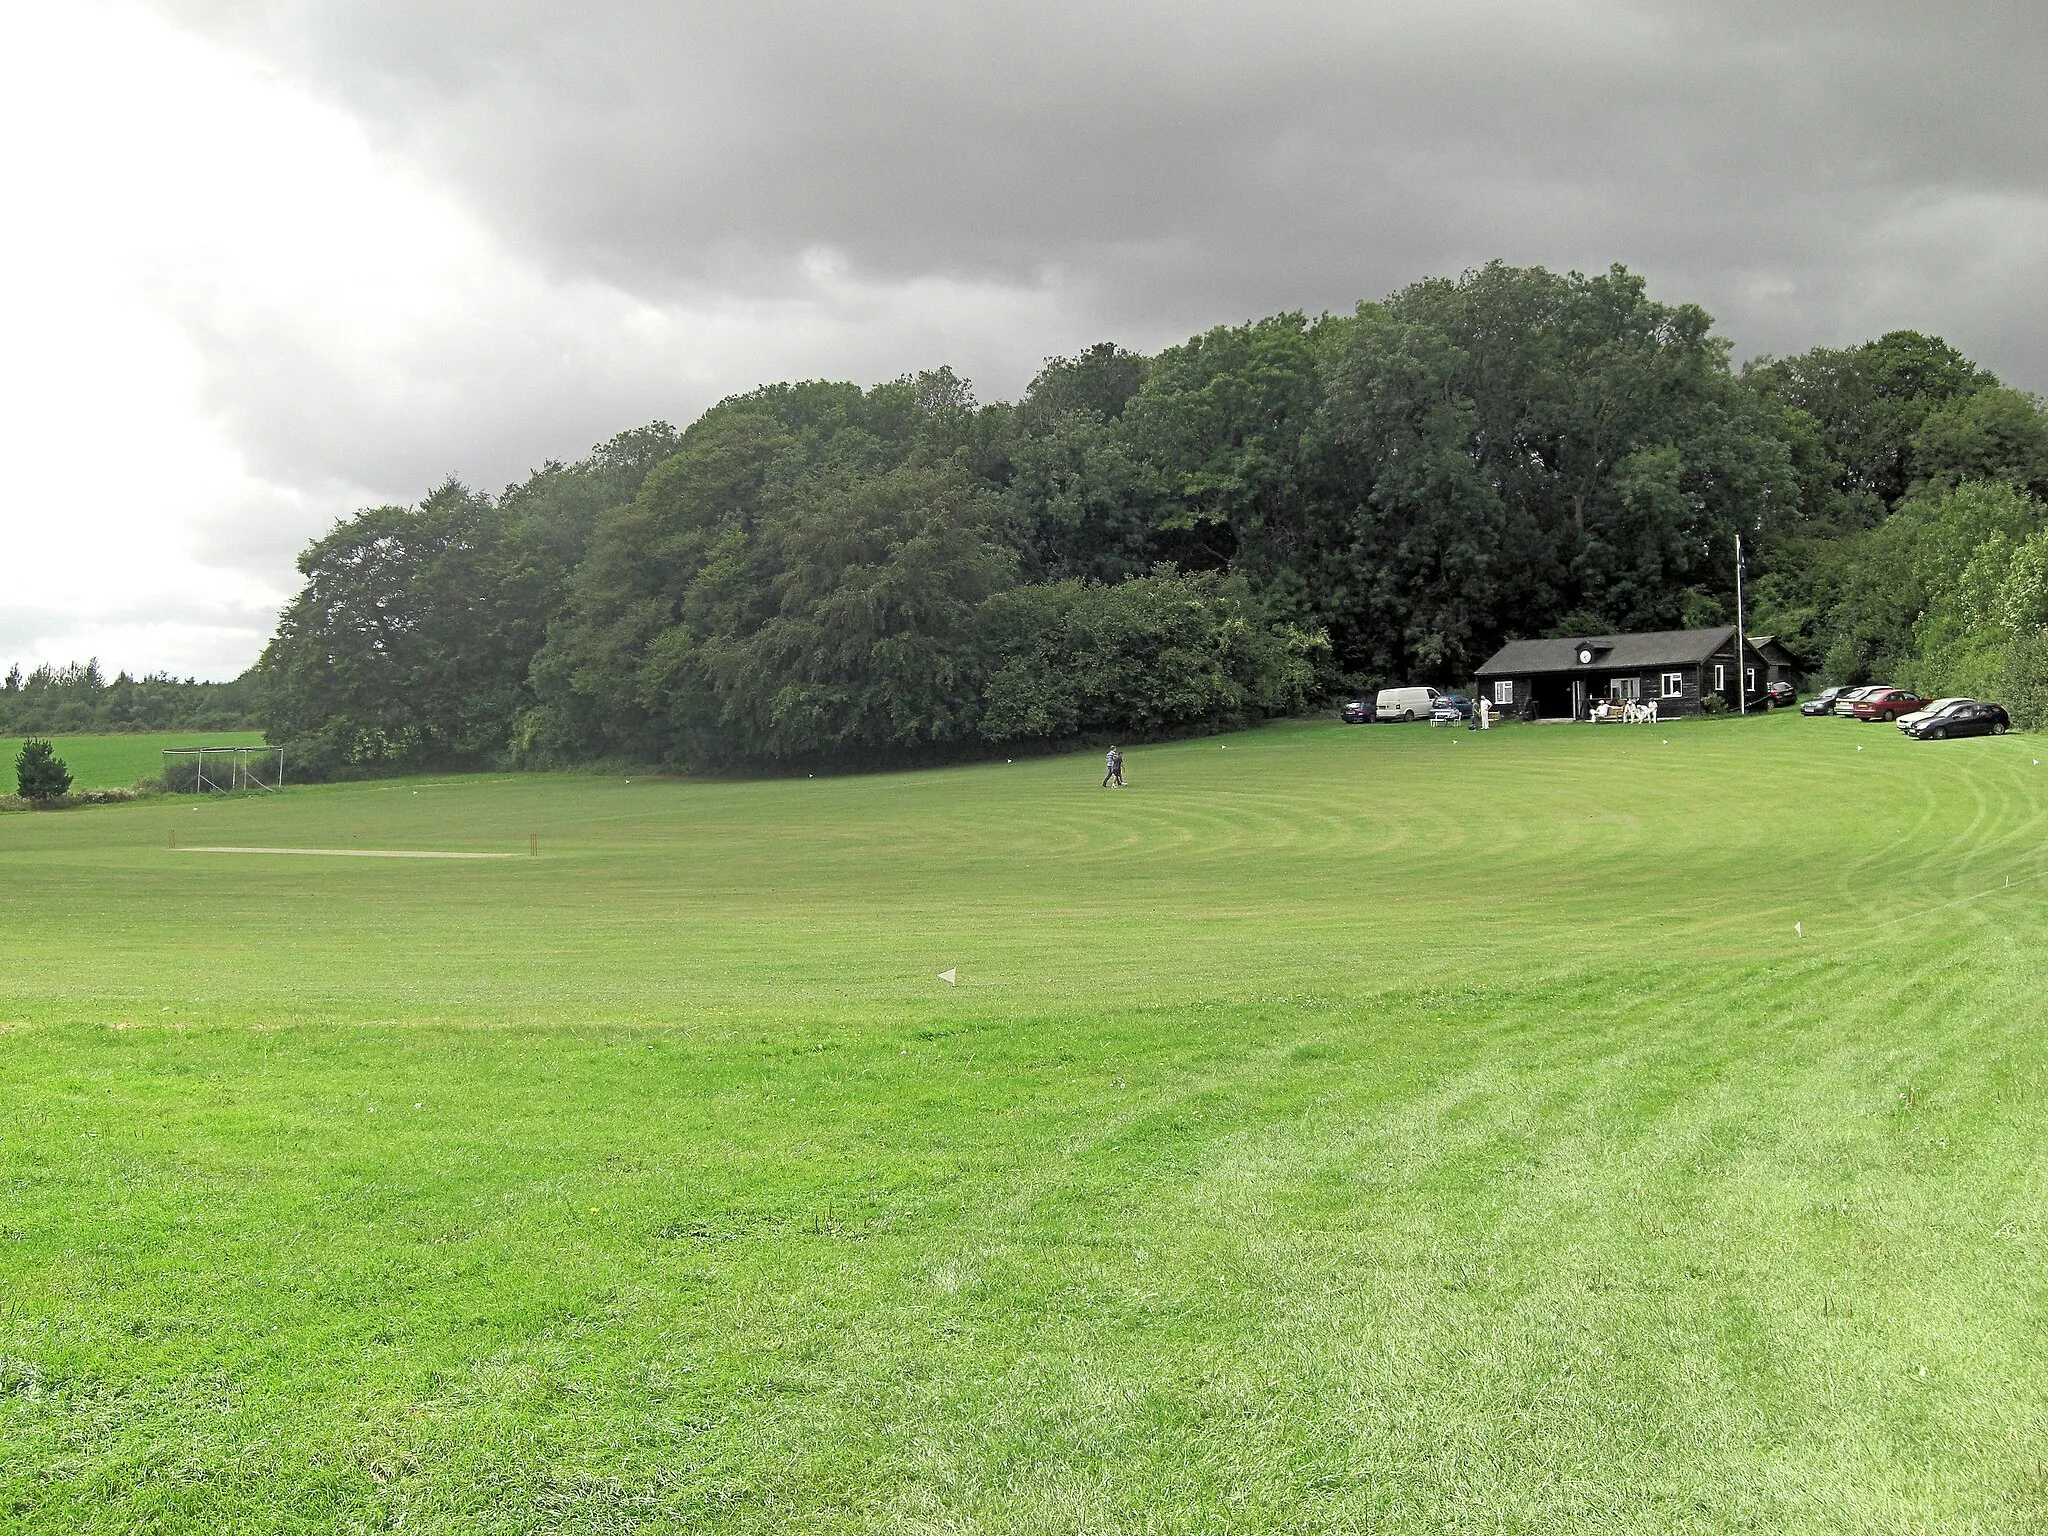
x=1887 y=704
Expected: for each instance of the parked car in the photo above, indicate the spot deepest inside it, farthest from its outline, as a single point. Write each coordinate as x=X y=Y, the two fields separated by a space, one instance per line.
x=1822 y=703
x=1405 y=703
x=1937 y=707
x=1887 y=704
x=1781 y=696
x=1845 y=706
x=1458 y=705
x=1971 y=719
x=1357 y=712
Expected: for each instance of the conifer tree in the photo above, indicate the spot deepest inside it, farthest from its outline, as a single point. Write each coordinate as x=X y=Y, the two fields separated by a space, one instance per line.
x=39 y=773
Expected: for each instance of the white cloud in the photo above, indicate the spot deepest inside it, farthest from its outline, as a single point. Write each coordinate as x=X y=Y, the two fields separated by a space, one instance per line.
x=137 y=160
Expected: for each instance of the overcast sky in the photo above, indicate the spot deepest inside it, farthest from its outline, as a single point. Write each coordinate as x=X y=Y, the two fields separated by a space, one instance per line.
x=270 y=262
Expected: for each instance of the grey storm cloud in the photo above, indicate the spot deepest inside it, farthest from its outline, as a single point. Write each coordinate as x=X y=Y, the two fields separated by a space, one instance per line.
x=1811 y=172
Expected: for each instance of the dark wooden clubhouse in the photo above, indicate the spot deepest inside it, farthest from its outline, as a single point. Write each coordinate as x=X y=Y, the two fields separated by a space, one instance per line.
x=1564 y=679
x=1782 y=665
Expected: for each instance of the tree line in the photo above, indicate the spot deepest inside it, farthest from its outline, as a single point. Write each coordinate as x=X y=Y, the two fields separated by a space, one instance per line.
x=1267 y=514
x=80 y=700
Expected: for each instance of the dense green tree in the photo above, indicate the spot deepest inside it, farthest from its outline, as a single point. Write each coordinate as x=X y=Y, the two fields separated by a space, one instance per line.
x=1991 y=434
x=1903 y=418
x=1979 y=572
x=1099 y=382
x=1527 y=450
x=681 y=544
x=796 y=581
x=1425 y=540
x=2023 y=679
x=866 y=647
x=1868 y=403
x=1076 y=497
x=553 y=511
x=1215 y=435
x=39 y=773
x=412 y=638
x=1916 y=592
x=1081 y=507
x=1168 y=651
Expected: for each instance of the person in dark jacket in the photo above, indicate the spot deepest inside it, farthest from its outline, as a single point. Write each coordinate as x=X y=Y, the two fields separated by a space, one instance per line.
x=1113 y=769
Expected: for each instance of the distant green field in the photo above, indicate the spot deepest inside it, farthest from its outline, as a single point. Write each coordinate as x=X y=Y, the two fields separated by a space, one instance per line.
x=115 y=762
x=1340 y=1130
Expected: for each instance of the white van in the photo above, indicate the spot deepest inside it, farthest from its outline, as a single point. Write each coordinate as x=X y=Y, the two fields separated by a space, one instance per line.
x=1405 y=703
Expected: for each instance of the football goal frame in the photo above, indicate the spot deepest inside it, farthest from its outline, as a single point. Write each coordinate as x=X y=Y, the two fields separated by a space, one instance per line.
x=233 y=768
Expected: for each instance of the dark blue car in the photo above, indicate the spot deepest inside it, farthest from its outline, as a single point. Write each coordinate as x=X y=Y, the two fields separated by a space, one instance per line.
x=1967 y=719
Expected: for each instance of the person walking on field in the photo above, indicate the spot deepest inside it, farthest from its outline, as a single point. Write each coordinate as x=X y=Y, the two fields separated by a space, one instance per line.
x=1113 y=769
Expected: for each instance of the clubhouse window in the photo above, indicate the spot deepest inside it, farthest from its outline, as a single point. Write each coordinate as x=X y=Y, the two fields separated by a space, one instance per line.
x=1674 y=685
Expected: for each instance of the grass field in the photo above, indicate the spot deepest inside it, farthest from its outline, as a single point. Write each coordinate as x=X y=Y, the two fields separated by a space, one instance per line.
x=115 y=762
x=1369 y=1130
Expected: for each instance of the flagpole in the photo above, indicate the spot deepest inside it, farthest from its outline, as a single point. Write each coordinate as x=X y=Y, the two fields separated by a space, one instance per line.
x=1741 y=634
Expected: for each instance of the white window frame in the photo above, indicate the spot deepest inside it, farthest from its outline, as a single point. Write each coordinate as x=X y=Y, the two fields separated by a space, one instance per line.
x=1720 y=677
x=1504 y=693
x=1625 y=690
x=1749 y=674
x=1672 y=685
